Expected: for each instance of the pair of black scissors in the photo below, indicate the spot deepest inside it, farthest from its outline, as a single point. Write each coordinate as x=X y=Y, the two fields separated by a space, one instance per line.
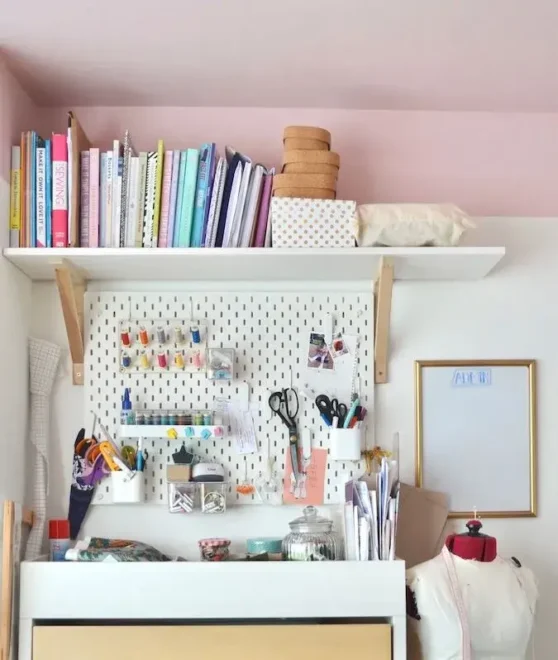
x=285 y=405
x=331 y=408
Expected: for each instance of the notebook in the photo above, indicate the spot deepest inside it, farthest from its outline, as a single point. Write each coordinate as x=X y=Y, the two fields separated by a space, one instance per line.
x=233 y=159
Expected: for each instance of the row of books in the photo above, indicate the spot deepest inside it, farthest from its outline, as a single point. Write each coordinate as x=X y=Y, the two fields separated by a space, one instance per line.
x=163 y=198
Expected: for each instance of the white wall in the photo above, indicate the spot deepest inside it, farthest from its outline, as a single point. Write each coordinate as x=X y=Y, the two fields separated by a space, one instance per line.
x=511 y=314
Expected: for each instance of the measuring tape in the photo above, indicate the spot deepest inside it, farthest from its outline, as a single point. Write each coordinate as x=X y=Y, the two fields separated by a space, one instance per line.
x=458 y=599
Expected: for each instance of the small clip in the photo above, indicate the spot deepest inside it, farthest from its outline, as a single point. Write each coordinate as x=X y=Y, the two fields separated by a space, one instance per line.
x=171 y=433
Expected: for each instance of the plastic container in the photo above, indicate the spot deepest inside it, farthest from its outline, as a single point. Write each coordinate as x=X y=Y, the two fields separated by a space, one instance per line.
x=259 y=545
x=214 y=549
x=182 y=497
x=213 y=497
x=59 y=538
x=345 y=444
x=126 y=489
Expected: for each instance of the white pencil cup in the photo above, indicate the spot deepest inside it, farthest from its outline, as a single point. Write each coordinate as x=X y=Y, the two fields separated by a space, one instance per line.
x=126 y=490
x=345 y=444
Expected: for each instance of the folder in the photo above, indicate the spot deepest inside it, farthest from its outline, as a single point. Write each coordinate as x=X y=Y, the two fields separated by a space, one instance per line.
x=77 y=142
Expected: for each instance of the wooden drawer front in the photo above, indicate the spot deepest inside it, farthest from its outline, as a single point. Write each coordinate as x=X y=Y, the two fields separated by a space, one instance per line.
x=268 y=642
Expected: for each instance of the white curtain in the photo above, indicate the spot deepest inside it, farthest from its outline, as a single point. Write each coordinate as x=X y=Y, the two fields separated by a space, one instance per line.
x=43 y=365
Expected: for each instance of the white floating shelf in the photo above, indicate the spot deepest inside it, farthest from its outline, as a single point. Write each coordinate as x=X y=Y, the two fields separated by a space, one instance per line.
x=161 y=431
x=259 y=264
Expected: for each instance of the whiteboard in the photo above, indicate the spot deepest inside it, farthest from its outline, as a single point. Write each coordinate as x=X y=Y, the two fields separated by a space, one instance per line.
x=476 y=435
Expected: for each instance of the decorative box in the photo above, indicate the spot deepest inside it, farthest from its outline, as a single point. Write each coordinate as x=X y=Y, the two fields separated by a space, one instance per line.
x=320 y=223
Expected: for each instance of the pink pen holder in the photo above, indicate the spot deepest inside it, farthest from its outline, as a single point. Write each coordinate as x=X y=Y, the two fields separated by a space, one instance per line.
x=345 y=444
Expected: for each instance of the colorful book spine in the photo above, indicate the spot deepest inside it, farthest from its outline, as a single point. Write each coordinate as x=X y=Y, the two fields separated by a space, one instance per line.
x=117 y=201
x=173 y=196
x=127 y=152
x=158 y=190
x=165 y=199
x=15 y=197
x=28 y=184
x=23 y=197
x=201 y=206
x=59 y=191
x=84 y=200
x=116 y=189
x=263 y=215
x=110 y=193
x=141 y=198
x=94 y=165
x=179 y=198
x=150 y=199
x=48 y=188
x=32 y=155
x=103 y=200
x=40 y=194
x=187 y=216
x=132 y=212
x=216 y=201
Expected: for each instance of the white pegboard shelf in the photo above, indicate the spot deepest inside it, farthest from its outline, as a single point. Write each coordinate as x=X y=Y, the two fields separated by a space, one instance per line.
x=258 y=264
x=162 y=432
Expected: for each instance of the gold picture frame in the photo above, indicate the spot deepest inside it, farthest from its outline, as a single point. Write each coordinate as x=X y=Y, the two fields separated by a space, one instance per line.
x=460 y=366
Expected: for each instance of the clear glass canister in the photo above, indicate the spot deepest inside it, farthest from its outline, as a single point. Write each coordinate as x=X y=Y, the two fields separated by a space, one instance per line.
x=311 y=538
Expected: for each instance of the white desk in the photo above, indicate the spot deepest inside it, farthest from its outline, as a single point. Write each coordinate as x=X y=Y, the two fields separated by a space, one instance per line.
x=191 y=592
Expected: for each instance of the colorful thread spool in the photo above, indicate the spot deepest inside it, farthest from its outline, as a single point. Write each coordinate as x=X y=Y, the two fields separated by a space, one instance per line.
x=196 y=360
x=125 y=338
x=207 y=418
x=162 y=359
x=197 y=419
x=143 y=336
x=178 y=335
x=126 y=361
x=178 y=360
x=144 y=360
x=196 y=337
x=161 y=335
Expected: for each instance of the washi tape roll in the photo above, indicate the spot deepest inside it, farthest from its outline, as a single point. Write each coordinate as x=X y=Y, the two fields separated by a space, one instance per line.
x=305 y=193
x=327 y=181
x=307 y=133
x=311 y=156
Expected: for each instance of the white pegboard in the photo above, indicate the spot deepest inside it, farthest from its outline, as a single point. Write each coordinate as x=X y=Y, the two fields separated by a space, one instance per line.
x=269 y=332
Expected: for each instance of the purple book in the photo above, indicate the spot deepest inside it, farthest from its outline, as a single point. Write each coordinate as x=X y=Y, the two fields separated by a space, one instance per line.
x=263 y=214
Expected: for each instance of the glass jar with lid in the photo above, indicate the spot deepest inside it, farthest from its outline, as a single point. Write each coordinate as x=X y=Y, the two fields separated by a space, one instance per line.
x=311 y=538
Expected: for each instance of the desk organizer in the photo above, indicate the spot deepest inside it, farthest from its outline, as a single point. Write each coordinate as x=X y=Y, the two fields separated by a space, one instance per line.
x=345 y=444
x=190 y=496
x=126 y=489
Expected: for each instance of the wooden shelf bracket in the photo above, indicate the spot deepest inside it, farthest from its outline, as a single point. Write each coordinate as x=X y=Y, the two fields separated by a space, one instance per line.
x=71 y=289
x=382 y=294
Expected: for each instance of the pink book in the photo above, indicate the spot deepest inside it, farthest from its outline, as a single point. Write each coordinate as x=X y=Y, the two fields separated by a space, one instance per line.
x=165 y=199
x=84 y=201
x=59 y=191
x=263 y=215
x=94 y=197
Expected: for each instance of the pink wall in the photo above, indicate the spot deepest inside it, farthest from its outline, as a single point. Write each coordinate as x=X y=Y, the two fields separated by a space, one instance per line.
x=17 y=113
x=489 y=163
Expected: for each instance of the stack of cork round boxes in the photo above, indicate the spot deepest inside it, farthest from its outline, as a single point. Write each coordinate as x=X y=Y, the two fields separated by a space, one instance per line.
x=309 y=169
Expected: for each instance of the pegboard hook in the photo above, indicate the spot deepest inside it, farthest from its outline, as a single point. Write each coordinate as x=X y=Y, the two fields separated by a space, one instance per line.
x=71 y=290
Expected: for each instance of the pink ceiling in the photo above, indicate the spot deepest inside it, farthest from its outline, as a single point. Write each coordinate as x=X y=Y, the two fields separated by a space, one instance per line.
x=495 y=55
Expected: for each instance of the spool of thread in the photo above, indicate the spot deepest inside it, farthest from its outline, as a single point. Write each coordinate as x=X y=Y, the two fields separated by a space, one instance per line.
x=181 y=418
x=173 y=419
x=162 y=359
x=144 y=360
x=125 y=338
x=178 y=335
x=196 y=337
x=196 y=360
x=143 y=336
x=178 y=360
x=126 y=361
x=207 y=418
x=156 y=419
x=164 y=418
x=197 y=419
x=161 y=335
